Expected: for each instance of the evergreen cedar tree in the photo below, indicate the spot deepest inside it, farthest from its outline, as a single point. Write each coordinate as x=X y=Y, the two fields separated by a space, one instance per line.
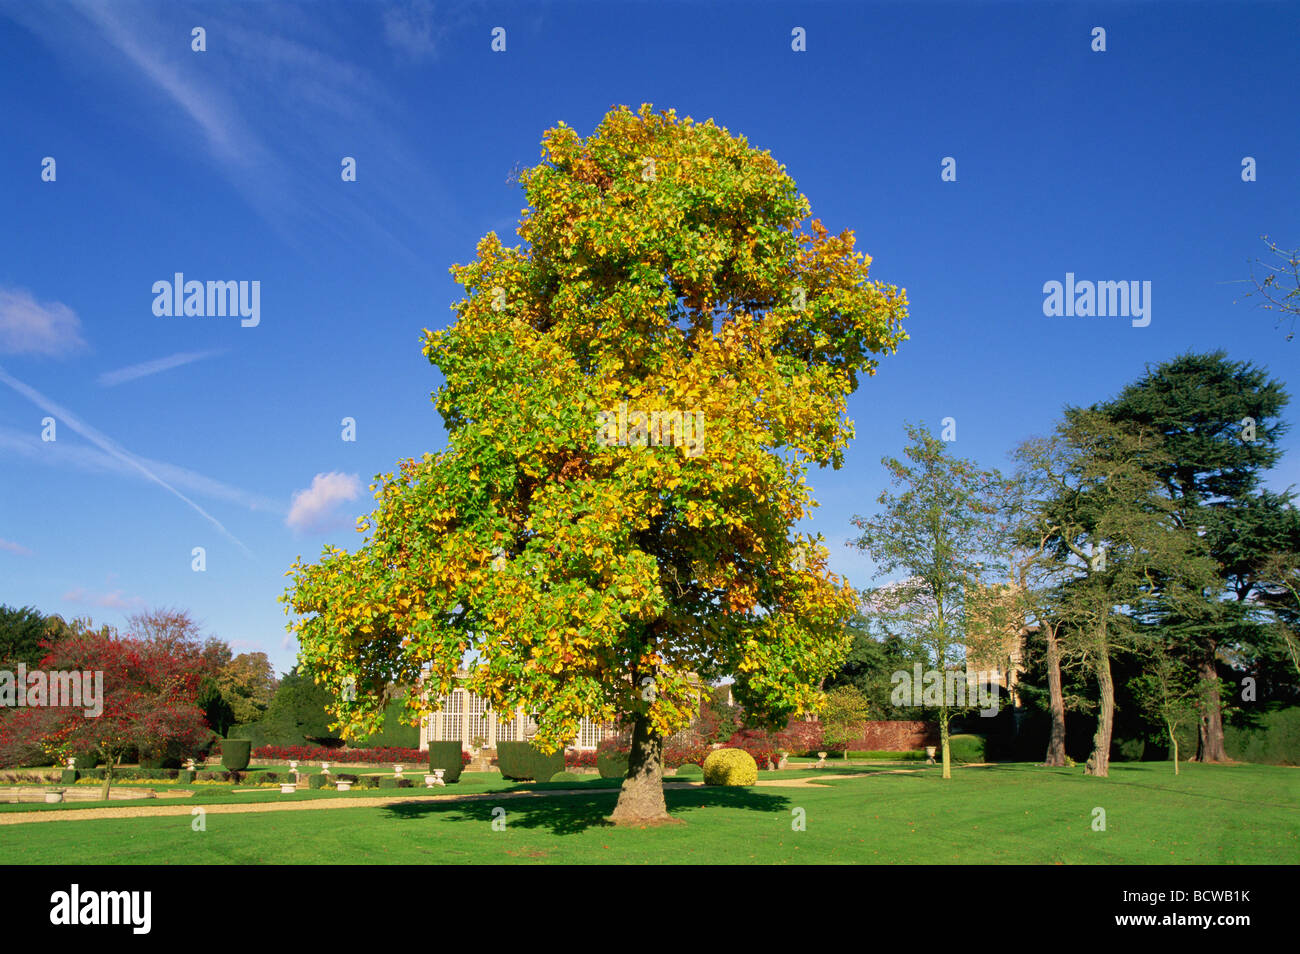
x=665 y=265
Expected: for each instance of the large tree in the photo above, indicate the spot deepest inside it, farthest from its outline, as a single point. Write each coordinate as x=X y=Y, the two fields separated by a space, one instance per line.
x=21 y=632
x=1117 y=545
x=150 y=688
x=939 y=529
x=633 y=396
x=1220 y=424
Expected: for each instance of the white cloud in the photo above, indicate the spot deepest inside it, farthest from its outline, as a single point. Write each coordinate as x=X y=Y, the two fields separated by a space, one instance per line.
x=315 y=508
x=31 y=327
x=14 y=547
x=410 y=30
x=111 y=600
x=111 y=378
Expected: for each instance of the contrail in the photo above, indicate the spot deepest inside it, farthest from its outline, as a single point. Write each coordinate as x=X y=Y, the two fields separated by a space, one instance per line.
x=108 y=446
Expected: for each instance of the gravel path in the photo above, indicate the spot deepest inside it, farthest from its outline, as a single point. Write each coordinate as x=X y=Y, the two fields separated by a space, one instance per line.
x=164 y=811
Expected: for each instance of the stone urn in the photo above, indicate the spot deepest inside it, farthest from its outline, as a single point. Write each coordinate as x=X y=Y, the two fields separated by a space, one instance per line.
x=437 y=777
x=821 y=758
x=397 y=770
x=324 y=768
x=430 y=781
x=781 y=759
x=53 y=796
x=929 y=753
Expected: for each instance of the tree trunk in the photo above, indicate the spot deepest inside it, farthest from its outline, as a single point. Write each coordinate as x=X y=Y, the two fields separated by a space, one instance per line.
x=1099 y=761
x=108 y=776
x=1056 y=700
x=641 y=798
x=1174 y=741
x=943 y=741
x=1209 y=741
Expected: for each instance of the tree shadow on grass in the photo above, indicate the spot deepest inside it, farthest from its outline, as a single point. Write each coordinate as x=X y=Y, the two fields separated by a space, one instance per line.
x=573 y=814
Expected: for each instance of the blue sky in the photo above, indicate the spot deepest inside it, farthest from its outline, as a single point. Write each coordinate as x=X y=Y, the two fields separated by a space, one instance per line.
x=174 y=433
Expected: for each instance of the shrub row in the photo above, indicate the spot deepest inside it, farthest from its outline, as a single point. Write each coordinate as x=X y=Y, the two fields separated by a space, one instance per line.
x=876 y=755
x=318 y=753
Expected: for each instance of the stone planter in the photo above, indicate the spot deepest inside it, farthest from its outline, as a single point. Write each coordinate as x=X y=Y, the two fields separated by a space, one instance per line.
x=53 y=796
x=929 y=753
x=288 y=788
x=344 y=785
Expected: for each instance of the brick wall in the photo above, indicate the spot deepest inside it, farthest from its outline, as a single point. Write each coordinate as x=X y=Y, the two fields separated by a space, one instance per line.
x=896 y=736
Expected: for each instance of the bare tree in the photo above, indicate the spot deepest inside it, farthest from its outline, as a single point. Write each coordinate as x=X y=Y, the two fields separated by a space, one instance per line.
x=1277 y=282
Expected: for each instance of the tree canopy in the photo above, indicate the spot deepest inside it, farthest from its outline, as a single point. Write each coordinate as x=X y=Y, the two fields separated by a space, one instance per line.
x=633 y=397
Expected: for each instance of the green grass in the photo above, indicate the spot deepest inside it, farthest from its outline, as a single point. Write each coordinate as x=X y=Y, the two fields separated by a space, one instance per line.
x=1004 y=814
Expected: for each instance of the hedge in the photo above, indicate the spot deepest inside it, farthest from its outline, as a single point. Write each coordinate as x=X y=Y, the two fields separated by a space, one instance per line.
x=449 y=757
x=1275 y=739
x=611 y=763
x=876 y=755
x=522 y=760
x=964 y=748
x=690 y=769
x=131 y=774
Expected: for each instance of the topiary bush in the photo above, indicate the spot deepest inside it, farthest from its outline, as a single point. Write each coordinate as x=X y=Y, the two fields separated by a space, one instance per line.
x=965 y=748
x=69 y=777
x=185 y=776
x=730 y=767
x=447 y=756
x=566 y=777
x=522 y=761
x=235 y=754
x=690 y=770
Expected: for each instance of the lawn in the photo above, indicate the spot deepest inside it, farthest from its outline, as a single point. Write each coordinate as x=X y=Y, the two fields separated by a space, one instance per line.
x=1242 y=814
